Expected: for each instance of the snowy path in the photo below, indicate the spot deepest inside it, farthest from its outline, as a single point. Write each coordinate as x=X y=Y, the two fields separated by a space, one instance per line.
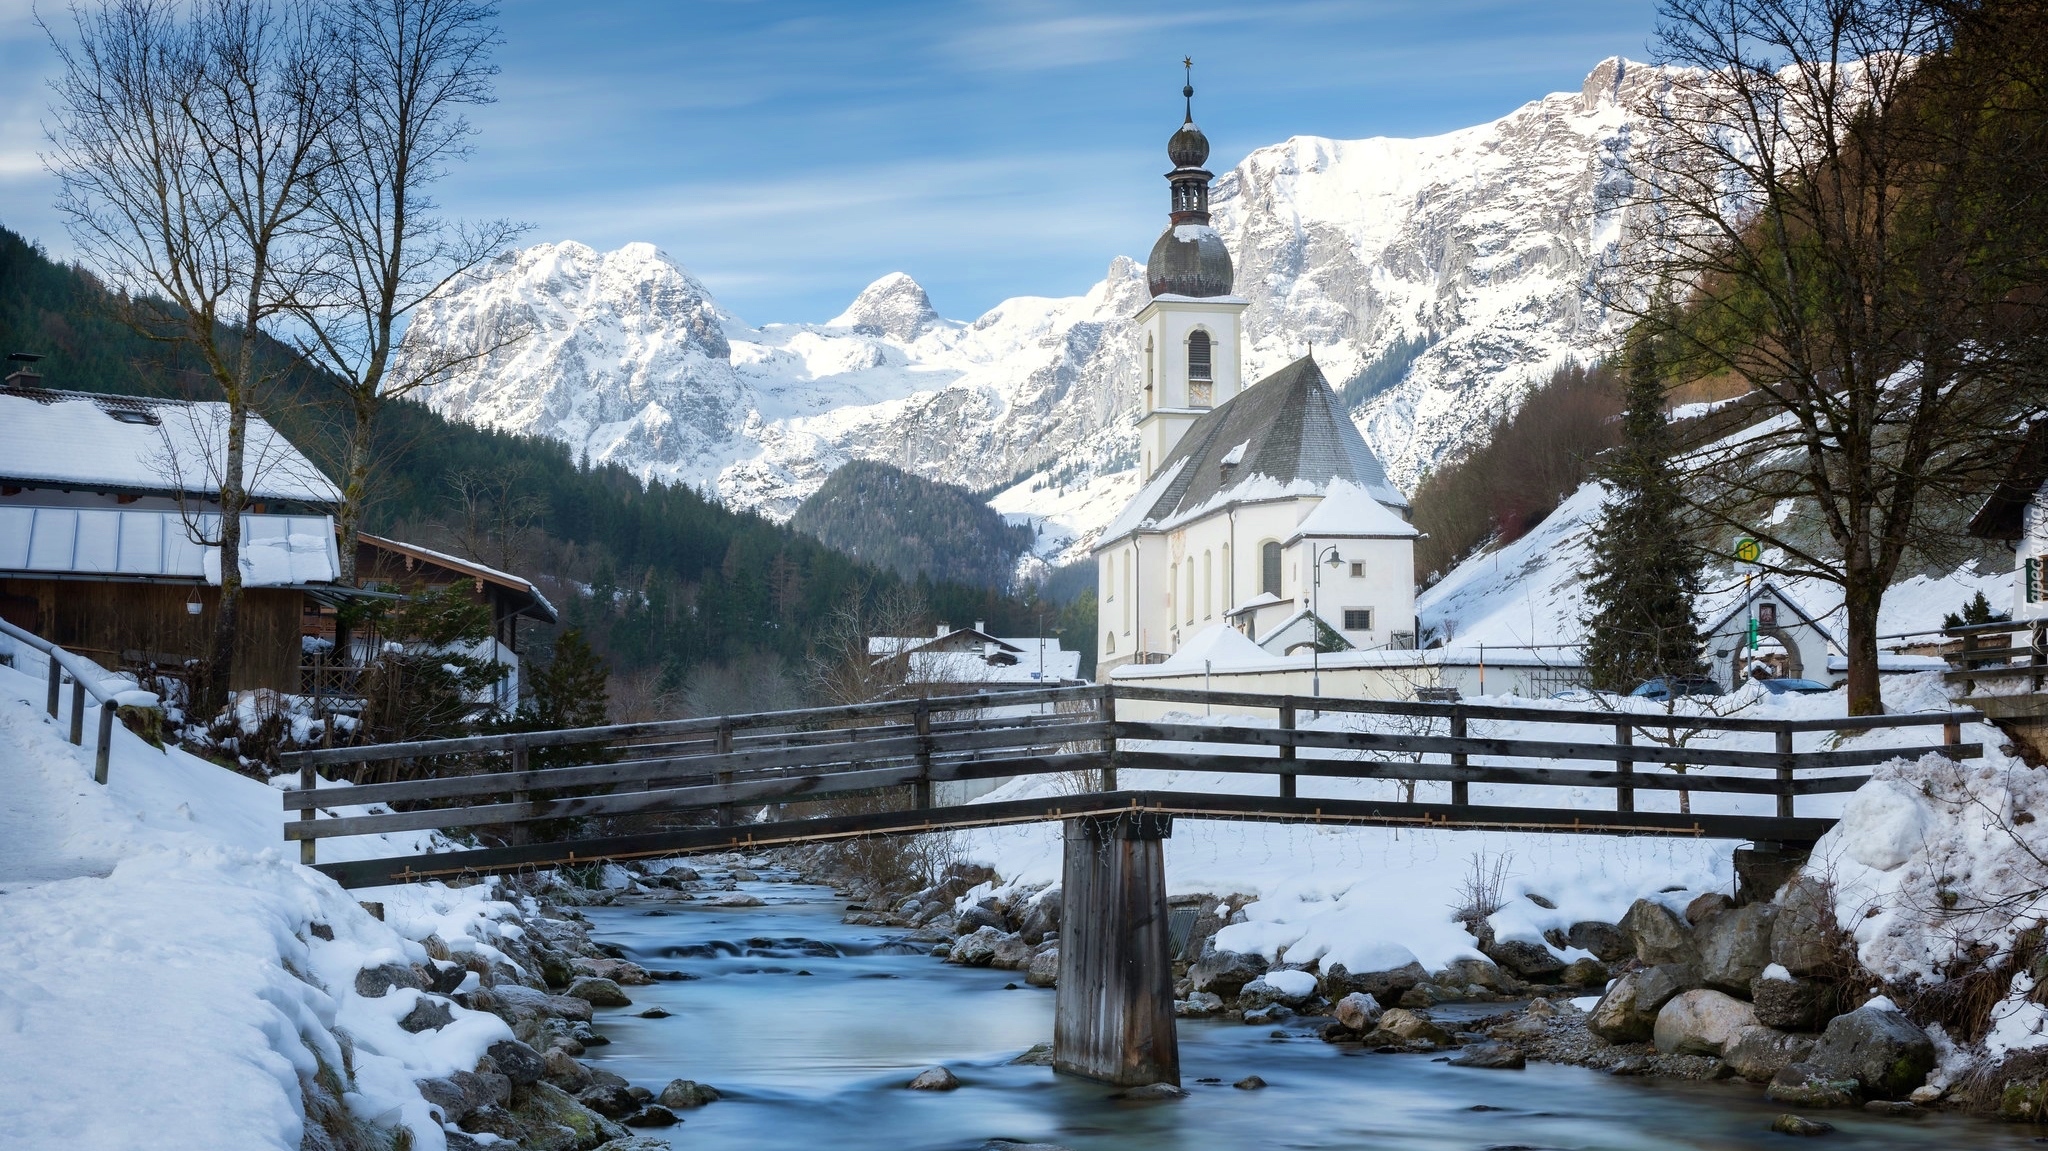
x=43 y=802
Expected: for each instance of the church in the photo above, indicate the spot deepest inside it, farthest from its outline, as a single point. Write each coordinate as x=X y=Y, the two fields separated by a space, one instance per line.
x=1261 y=507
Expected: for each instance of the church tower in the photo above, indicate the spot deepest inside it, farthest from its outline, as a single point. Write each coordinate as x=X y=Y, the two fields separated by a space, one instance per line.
x=1192 y=330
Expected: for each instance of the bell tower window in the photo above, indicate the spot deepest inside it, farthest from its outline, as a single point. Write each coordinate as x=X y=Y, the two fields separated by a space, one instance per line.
x=1148 y=374
x=1201 y=373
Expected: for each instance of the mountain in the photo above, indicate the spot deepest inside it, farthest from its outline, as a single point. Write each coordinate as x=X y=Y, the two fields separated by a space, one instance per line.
x=1436 y=280
x=899 y=520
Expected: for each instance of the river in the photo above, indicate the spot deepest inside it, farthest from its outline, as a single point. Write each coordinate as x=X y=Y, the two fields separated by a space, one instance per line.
x=812 y=1036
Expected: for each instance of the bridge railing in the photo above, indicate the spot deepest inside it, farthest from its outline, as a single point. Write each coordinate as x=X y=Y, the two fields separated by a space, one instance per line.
x=711 y=766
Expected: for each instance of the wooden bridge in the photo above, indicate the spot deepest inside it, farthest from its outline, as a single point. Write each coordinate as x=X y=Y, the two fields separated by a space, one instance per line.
x=674 y=787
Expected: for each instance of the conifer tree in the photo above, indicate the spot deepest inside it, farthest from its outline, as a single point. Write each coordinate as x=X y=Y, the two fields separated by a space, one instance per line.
x=1644 y=574
x=571 y=690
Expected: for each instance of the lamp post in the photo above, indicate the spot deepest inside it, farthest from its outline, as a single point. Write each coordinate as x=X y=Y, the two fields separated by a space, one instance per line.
x=1315 y=612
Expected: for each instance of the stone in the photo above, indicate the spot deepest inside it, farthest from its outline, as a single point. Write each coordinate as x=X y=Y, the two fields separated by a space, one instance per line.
x=1037 y=1055
x=1700 y=1022
x=1894 y=1109
x=933 y=1079
x=1802 y=1086
x=742 y=875
x=652 y=1115
x=376 y=982
x=598 y=992
x=543 y=1117
x=2023 y=1100
x=1528 y=960
x=1011 y=954
x=1359 y=1011
x=444 y=977
x=1410 y=1026
x=1249 y=1083
x=1735 y=947
x=1226 y=972
x=516 y=1004
x=1386 y=985
x=1789 y=1124
x=1607 y=942
x=1878 y=1047
x=517 y=1062
x=1659 y=935
x=660 y=1013
x=734 y=899
x=1041 y=918
x=1759 y=1053
x=1584 y=971
x=974 y=919
x=977 y=949
x=429 y=1014
x=1200 y=1005
x=1788 y=1003
x=1803 y=939
x=556 y=970
x=1927 y=1095
x=1499 y=1056
x=1705 y=907
x=1151 y=1091
x=1292 y=988
x=1045 y=968
x=1627 y=1012
x=565 y=1072
x=608 y=1100
x=620 y=971
x=463 y=1093
x=687 y=1094
x=1471 y=972
x=1270 y=1013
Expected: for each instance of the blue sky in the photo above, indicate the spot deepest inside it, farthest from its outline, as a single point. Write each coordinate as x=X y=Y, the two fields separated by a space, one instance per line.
x=788 y=153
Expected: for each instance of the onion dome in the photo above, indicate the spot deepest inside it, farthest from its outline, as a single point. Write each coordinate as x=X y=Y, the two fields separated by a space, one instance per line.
x=1189 y=258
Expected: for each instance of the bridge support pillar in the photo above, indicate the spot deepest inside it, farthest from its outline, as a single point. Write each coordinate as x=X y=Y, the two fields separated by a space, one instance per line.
x=1114 y=1019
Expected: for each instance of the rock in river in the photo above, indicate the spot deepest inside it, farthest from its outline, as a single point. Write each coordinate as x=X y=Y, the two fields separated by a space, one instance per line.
x=1700 y=1023
x=934 y=1079
x=598 y=992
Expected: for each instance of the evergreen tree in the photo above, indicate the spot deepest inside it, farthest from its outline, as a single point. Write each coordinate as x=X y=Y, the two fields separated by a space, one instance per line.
x=572 y=689
x=1644 y=575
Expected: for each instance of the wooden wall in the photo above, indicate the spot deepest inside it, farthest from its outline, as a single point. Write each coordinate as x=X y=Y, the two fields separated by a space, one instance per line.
x=105 y=619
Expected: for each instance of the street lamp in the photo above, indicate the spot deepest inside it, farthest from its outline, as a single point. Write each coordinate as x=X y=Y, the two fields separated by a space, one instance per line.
x=1315 y=610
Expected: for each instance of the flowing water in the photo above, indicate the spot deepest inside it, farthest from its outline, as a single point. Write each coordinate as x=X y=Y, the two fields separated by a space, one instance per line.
x=811 y=1028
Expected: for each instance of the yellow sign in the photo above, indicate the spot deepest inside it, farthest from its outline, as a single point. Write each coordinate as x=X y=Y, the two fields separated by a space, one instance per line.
x=1746 y=550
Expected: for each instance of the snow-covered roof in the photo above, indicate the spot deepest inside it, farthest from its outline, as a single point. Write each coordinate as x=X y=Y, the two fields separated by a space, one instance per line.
x=1255 y=603
x=971 y=667
x=469 y=568
x=1286 y=435
x=1218 y=645
x=1348 y=512
x=277 y=551
x=1762 y=589
x=133 y=444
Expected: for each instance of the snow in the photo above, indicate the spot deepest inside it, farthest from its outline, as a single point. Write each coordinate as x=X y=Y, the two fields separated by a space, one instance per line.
x=1293 y=984
x=1215 y=646
x=160 y=983
x=1236 y=454
x=1348 y=511
x=71 y=439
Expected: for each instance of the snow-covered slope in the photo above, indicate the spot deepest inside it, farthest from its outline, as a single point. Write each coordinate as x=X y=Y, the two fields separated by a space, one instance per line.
x=1480 y=254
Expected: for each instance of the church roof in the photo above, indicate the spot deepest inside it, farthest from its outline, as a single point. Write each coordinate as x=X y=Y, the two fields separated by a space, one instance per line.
x=1286 y=435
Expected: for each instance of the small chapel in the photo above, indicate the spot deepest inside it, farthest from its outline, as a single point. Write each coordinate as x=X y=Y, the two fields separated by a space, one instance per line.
x=1261 y=507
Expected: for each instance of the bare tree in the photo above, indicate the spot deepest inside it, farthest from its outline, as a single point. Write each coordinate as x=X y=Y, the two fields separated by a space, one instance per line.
x=846 y=669
x=498 y=512
x=408 y=69
x=185 y=137
x=1831 y=204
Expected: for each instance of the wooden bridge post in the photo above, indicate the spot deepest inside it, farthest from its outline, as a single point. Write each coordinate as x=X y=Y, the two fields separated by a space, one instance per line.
x=77 y=712
x=1287 y=750
x=921 y=791
x=1114 y=1017
x=1785 y=771
x=723 y=746
x=105 y=748
x=1461 y=790
x=1109 y=756
x=1624 y=791
x=520 y=832
x=56 y=681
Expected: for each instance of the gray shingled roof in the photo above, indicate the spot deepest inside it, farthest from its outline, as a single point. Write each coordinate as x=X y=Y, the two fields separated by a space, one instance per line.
x=1296 y=433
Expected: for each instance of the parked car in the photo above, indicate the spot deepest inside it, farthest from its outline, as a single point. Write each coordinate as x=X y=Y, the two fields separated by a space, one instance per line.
x=1790 y=686
x=1665 y=687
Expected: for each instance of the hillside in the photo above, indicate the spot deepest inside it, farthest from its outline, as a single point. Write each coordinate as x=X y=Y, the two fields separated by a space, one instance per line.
x=714 y=584
x=890 y=518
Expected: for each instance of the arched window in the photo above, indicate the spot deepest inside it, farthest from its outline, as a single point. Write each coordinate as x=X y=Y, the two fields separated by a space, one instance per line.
x=1208 y=587
x=1172 y=588
x=1201 y=370
x=1127 y=593
x=1109 y=643
x=1190 y=600
x=1269 y=567
x=1148 y=373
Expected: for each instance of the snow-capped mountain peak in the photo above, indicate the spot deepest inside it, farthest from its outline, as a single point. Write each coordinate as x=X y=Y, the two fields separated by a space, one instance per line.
x=894 y=306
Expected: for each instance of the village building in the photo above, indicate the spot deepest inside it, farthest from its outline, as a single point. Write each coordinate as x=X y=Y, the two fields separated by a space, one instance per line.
x=1262 y=509
x=1768 y=632
x=962 y=661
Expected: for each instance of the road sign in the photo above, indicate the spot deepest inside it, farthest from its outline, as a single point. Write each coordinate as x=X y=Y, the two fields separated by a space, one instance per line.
x=1747 y=551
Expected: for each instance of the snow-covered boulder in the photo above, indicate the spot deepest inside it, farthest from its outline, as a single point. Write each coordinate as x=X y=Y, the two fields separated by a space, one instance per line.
x=1386 y=984
x=1292 y=988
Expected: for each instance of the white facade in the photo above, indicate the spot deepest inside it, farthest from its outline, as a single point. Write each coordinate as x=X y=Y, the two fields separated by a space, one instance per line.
x=1176 y=389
